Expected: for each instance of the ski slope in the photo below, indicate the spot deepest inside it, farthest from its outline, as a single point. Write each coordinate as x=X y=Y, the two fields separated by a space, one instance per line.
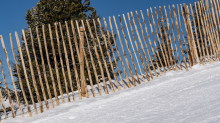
x=174 y=97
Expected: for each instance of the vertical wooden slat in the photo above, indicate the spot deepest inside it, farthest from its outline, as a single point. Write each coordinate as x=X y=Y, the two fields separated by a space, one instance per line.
x=113 y=53
x=165 y=34
x=32 y=72
x=155 y=58
x=66 y=57
x=72 y=55
x=44 y=70
x=171 y=43
x=132 y=60
x=25 y=72
x=204 y=32
x=215 y=26
x=211 y=23
x=92 y=61
x=161 y=35
x=152 y=33
x=12 y=78
x=97 y=55
x=132 y=45
x=167 y=41
x=109 y=57
x=208 y=28
x=103 y=58
x=158 y=38
x=173 y=59
x=87 y=62
x=19 y=78
x=191 y=52
x=7 y=90
x=197 y=39
x=61 y=61
x=51 y=72
x=81 y=59
x=55 y=62
x=190 y=33
x=3 y=105
x=129 y=67
x=142 y=61
x=80 y=41
x=199 y=33
x=126 y=59
x=171 y=18
x=150 y=45
x=177 y=29
x=38 y=70
x=122 y=64
x=142 y=47
x=217 y=19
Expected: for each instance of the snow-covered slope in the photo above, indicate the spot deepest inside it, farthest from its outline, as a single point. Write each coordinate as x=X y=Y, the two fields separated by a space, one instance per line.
x=176 y=97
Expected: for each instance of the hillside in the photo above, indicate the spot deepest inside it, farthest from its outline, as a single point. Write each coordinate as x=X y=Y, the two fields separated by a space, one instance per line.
x=174 y=97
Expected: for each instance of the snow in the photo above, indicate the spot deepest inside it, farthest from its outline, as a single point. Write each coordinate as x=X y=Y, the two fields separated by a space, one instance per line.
x=176 y=96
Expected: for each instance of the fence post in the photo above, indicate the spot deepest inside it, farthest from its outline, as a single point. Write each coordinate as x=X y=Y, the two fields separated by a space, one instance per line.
x=200 y=33
x=120 y=58
x=55 y=62
x=87 y=63
x=43 y=65
x=81 y=46
x=110 y=45
x=38 y=70
x=178 y=34
x=61 y=60
x=9 y=66
x=32 y=72
x=19 y=77
x=139 y=52
x=25 y=72
x=126 y=42
x=190 y=34
x=7 y=90
x=48 y=62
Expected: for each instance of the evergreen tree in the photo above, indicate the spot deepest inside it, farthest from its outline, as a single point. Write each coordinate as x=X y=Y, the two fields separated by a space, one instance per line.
x=50 y=12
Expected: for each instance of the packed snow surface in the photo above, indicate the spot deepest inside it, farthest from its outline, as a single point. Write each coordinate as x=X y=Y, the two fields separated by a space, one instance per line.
x=174 y=97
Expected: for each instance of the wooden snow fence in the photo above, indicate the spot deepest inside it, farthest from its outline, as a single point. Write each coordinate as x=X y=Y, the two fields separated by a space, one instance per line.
x=69 y=61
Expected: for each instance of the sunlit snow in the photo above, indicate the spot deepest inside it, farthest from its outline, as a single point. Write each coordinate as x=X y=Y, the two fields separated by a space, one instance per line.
x=174 y=97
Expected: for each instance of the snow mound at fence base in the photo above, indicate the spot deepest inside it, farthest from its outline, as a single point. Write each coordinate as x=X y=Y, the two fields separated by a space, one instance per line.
x=174 y=97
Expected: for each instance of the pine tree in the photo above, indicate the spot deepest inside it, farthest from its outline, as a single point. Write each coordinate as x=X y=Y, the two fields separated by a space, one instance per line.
x=50 y=12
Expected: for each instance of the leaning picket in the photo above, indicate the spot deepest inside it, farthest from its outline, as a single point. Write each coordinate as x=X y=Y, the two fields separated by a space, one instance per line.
x=126 y=59
x=50 y=69
x=61 y=61
x=7 y=90
x=19 y=77
x=142 y=61
x=32 y=72
x=178 y=34
x=110 y=45
x=25 y=71
x=55 y=62
x=12 y=78
x=109 y=57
